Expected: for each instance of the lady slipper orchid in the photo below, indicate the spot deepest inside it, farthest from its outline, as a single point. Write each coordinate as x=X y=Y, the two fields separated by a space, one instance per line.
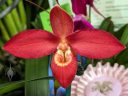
x=64 y=43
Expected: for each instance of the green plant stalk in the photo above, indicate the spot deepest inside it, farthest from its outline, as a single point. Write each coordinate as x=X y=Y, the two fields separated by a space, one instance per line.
x=22 y=14
x=4 y=32
x=10 y=25
x=1 y=44
x=68 y=91
x=15 y=17
x=34 y=69
x=89 y=19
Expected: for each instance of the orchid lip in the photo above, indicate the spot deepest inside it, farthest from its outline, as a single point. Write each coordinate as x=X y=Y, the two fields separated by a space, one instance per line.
x=63 y=57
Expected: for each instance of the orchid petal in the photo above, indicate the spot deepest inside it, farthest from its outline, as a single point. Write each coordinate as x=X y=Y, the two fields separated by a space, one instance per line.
x=61 y=22
x=81 y=23
x=64 y=73
x=32 y=44
x=79 y=7
x=95 y=43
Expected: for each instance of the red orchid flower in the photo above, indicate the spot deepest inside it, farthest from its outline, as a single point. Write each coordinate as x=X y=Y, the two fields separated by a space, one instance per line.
x=64 y=43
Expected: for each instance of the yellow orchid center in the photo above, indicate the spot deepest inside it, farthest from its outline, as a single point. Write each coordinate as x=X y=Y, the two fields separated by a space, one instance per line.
x=63 y=55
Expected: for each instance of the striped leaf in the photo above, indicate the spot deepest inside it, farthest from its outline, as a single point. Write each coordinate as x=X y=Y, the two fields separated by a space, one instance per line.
x=35 y=69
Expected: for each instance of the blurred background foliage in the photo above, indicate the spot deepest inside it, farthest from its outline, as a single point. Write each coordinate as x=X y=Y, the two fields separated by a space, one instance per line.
x=31 y=77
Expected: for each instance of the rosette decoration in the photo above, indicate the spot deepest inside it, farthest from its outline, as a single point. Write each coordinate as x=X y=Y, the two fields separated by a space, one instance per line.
x=102 y=80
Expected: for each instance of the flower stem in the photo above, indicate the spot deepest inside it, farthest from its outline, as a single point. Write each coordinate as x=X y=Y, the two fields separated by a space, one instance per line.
x=4 y=31
x=22 y=14
x=89 y=14
x=9 y=23
x=15 y=17
x=92 y=61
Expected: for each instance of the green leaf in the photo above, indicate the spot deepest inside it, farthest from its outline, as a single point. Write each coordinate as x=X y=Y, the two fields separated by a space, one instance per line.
x=22 y=14
x=7 y=87
x=119 y=33
x=107 y=25
x=19 y=92
x=122 y=58
x=68 y=91
x=1 y=44
x=36 y=69
x=15 y=16
x=45 y=19
x=37 y=23
x=67 y=8
x=56 y=84
x=9 y=24
x=4 y=32
x=124 y=37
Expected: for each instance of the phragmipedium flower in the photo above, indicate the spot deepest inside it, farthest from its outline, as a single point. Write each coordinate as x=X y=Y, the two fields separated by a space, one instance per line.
x=64 y=43
x=80 y=7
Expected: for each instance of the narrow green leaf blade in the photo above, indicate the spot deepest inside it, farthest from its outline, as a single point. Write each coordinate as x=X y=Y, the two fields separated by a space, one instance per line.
x=4 y=32
x=22 y=14
x=8 y=21
x=15 y=16
x=7 y=87
x=107 y=25
x=68 y=91
x=124 y=37
x=36 y=68
x=119 y=33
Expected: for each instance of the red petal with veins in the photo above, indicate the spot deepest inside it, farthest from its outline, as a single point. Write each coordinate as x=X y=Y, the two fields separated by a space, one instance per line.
x=64 y=73
x=95 y=44
x=61 y=22
x=32 y=44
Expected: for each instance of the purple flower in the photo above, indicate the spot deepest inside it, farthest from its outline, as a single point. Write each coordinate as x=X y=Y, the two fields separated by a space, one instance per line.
x=81 y=23
x=89 y=2
x=79 y=6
